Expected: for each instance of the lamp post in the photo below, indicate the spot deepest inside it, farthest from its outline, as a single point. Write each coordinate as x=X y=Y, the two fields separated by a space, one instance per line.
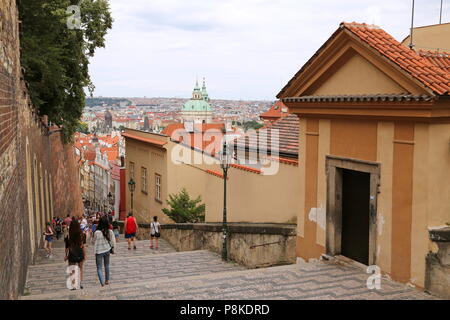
x=225 y=161
x=131 y=187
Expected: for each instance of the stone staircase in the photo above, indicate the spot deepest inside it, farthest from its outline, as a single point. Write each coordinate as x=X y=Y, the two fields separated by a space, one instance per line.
x=46 y=279
x=202 y=275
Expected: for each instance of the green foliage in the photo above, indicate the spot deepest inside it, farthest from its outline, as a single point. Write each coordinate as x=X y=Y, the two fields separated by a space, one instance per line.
x=56 y=58
x=252 y=125
x=82 y=127
x=183 y=209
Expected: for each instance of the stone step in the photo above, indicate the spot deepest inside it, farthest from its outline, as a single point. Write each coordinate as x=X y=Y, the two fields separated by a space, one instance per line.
x=301 y=281
x=116 y=291
x=45 y=278
x=121 y=249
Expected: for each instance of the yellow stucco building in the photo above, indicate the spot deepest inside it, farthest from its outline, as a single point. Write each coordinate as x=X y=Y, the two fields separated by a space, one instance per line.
x=374 y=150
x=161 y=165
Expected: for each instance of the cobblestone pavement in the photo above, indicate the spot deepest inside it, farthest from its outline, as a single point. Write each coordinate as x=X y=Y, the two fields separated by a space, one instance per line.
x=144 y=274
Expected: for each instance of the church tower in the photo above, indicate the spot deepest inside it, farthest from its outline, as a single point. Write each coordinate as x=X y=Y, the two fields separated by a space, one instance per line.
x=198 y=110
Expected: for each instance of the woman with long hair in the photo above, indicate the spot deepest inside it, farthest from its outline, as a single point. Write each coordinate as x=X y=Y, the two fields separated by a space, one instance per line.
x=104 y=242
x=75 y=247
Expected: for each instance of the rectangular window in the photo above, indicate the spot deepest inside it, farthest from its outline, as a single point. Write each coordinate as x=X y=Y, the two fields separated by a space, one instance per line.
x=157 y=187
x=131 y=170
x=144 y=179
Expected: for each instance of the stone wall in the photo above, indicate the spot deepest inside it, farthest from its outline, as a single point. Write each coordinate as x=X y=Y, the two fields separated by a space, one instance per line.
x=37 y=176
x=437 y=277
x=252 y=245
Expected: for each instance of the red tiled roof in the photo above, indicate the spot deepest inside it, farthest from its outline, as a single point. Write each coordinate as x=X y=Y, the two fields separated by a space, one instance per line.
x=427 y=72
x=245 y=168
x=200 y=127
x=214 y=173
x=204 y=138
x=439 y=59
x=288 y=135
x=148 y=140
x=285 y=160
x=89 y=154
x=111 y=154
x=276 y=111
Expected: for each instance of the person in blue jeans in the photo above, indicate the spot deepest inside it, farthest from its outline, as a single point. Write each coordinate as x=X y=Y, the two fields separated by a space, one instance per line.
x=104 y=242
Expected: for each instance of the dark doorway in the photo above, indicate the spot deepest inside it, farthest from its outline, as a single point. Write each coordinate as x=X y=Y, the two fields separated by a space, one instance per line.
x=355 y=215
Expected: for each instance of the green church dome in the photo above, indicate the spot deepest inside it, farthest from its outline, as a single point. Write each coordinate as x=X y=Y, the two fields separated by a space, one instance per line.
x=197 y=105
x=199 y=101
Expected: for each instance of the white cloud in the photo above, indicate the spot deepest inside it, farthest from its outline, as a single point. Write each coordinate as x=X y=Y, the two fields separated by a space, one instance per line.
x=246 y=49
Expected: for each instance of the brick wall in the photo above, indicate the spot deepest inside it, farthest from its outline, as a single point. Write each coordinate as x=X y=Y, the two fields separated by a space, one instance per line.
x=38 y=174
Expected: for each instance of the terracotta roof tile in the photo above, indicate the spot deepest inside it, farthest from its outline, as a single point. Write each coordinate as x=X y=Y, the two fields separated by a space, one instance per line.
x=431 y=69
x=288 y=129
x=214 y=173
x=147 y=140
x=245 y=168
x=439 y=59
x=278 y=110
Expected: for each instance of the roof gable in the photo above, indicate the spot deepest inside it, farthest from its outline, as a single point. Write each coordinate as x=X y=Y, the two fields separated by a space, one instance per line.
x=416 y=74
x=357 y=76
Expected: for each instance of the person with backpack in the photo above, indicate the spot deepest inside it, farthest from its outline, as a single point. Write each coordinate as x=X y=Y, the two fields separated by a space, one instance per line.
x=154 y=232
x=131 y=228
x=75 y=247
x=104 y=242
x=58 y=229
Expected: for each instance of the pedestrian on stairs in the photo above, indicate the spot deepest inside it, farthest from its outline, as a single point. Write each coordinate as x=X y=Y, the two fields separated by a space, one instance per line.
x=75 y=248
x=104 y=245
x=131 y=228
x=154 y=232
x=48 y=233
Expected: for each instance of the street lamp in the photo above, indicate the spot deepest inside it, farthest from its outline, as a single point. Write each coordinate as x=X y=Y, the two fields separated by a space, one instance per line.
x=131 y=187
x=225 y=161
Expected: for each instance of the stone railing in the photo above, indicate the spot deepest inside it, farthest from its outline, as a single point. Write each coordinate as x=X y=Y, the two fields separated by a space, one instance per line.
x=437 y=277
x=253 y=245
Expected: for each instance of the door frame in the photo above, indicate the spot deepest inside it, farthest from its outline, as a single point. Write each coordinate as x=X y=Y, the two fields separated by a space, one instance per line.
x=334 y=166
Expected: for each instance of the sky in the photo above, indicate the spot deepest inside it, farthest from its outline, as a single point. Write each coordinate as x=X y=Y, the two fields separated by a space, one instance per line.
x=246 y=49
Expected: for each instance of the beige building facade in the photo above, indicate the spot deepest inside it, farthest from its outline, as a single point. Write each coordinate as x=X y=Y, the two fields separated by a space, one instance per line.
x=160 y=167
x=375 y=152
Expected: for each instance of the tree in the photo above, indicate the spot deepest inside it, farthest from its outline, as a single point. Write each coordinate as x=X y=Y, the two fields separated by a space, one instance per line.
x=183 y=209
x=56 y=57
x=82 y=127
x=252 y=125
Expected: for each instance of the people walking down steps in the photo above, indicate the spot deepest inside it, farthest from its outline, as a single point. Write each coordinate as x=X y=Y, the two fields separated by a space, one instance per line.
x=104 y=242
x=131 y=228
x=154 y=232
x=76 y=248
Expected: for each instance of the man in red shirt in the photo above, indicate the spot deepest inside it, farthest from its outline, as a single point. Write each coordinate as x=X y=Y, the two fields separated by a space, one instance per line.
x=131 y=228
x=67 y=221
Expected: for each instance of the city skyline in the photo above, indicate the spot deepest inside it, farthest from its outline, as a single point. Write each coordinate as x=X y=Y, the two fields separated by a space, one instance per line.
x=245 y=50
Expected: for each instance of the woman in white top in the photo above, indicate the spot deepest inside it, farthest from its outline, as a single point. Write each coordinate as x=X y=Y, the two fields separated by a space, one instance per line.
x=154 y=232
x=104 y=242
